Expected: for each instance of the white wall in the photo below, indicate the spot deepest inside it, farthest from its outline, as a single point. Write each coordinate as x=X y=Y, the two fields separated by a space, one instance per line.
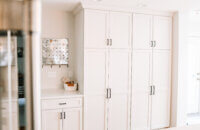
x=179 y=75
x=57 y=23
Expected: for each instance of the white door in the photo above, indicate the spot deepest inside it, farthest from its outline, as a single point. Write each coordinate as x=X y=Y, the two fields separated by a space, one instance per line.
x=119 y=82
x=120 y=29
x=141 y=81
x=142 y=31
x=52 y=119
x=161 y=80
x=162 y=31
x=72 y=119
x=95 y=29
x=94 y=89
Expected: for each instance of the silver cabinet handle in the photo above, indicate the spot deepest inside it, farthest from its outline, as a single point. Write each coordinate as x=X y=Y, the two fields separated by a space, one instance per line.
x=154 y=44
x=151 y=44
x=151 y=90
x=154 y=91
x=108 y=93
x=61 y=115
x=63 y=103
x=64 y=115
x=108 y=42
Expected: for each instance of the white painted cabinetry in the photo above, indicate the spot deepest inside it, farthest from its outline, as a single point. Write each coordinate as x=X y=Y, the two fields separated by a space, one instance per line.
x=62 y=114
x=106 y=68
x=151 y=65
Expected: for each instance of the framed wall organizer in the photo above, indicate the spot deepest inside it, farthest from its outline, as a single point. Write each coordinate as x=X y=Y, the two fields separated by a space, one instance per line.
x=55 y=51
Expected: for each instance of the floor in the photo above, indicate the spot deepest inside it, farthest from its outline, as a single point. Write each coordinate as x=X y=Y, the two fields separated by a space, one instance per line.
x=193 y=127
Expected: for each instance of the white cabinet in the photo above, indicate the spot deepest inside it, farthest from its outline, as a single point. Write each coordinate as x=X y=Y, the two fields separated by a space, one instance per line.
x=161 y=81
x=95 y=87
x=119 y=83
x=141 y=82
x=162 y=32
x=107 y=70
x=120 y=29
x=142 y=31
x=72 y=119
x=52 y=119
x=149 y=30
x=62 y=114
x=107 y=28
x=151 y=73
x=96 y=28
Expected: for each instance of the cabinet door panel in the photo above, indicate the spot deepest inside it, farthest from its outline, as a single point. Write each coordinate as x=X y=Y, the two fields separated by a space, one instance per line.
x=119 y=82
x=161 y=80
x=120 y=29
x=95 y=112
x=142 y=31
x=72 y=119
x=95 y=72
x=95 y=29
x=51 y=120
x=141 y=71
x=162 y=27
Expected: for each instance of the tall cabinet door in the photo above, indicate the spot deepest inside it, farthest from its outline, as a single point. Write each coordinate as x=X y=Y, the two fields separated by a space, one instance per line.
x=94 y=89
x=119 y=82
x=52 y=120
x=120 y=29
x=162 y=28
x=161 y=80
x=141 y=81
x=142 y=31
x=72 y=117
x=95 y=29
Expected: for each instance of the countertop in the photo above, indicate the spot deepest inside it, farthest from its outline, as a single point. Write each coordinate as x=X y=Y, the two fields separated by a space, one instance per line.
x=59 y=93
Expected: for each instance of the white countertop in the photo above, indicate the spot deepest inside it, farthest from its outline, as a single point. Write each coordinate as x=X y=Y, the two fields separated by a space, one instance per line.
x=59 y=93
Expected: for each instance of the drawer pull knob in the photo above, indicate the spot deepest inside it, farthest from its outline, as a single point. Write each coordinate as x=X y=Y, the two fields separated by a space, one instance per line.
x=62 y=103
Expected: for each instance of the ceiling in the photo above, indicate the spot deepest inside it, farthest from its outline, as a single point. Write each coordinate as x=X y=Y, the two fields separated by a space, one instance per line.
x=163 y=5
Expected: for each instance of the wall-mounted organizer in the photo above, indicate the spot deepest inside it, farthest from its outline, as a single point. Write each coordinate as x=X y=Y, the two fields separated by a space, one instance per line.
x=55 y=52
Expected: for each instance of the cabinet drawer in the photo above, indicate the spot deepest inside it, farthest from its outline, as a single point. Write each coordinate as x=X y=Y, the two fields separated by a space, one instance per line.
x=61 y=103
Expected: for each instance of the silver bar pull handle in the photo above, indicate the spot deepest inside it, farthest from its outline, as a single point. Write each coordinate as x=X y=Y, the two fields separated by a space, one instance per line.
x=110 y=93
x=61 y=115
x=154 y=44
x=108 y=42
x=151 y=43
x=151 y=90
x=63 y=103
x=107 y=93
x=154 y=91
x=64 y=115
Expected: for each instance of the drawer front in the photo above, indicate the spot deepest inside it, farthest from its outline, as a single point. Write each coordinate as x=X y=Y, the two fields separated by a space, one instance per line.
x=61 y=103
